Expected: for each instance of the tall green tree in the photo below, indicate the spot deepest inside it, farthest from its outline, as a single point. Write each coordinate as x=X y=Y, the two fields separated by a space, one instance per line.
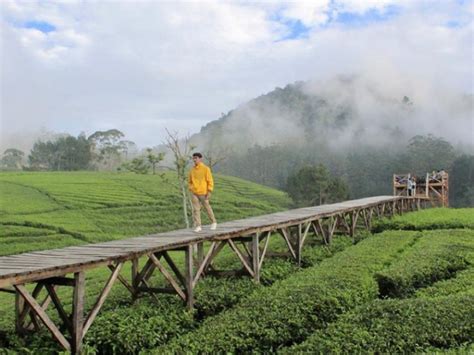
x=108 y=147
x=428 y=153
x=64 y=153
x=154 y=159
x=313 y=185
x=461 y=192
x=12 y=158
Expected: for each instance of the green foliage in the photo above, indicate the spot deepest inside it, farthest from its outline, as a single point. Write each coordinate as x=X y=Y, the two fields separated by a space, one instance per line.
x=396 y=326
x=433 y=218
x=436 y=255
x=463 y=282
x=313 y=186
x=12 y=159
x=427 y=153
x=137 y=166
x=94 y=207
x=65 y=153
x=462 y=182
x=290 y=309
x=121 y=331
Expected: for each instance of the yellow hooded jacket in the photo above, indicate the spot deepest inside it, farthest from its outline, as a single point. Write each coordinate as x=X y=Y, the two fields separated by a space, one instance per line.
x=200 y=180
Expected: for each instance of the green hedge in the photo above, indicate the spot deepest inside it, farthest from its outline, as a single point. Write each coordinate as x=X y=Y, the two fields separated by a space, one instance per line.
x=115 y=331
x=396 y=326
x=462 y=283
x=429 y=219
x=291 y=309
x=436 y=255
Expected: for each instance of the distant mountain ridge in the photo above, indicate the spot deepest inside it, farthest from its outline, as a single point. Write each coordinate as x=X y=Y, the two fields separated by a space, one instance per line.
x=340 y=113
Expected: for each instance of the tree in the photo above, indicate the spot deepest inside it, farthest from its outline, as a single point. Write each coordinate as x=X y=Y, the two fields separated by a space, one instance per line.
x=65 y=153
x=154 y=159
x=181 y=149
x=12 y=158
x=214 y=156
x=137 y=165
x=313 y=185
x=108 y=147
x=428 y=153
x=462 y=182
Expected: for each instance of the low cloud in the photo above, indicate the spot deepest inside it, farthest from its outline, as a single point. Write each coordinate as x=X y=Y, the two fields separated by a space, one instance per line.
x=143 y=67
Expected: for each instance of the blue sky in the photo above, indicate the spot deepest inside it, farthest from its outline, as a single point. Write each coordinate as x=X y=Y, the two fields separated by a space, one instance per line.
x=42 y=26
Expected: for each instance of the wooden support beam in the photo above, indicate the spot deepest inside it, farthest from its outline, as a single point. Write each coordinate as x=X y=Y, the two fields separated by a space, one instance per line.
x=298 y=244
x=78 y=312
x=19 y=307
x=284 y=233
x=27 y=310
x=322 y=231
x=173 y=267
x=264 y=251
x=134 y=277
x=354 y=217
x=33 y=304
x=122 y=280
x=33 y=319
x=8 y=290
x=101 y=299
x=59 y=307
x=60 y=281
x=204 y=263
x=305 y=234
x=200 y=253
x=331 y=228
x=256 y=257
x=168 y=276
x=145 y=273
x=188 y=276
x=245 y=262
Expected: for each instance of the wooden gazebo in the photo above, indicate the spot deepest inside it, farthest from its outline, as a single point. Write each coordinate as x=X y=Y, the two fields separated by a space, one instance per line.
x=433 y=186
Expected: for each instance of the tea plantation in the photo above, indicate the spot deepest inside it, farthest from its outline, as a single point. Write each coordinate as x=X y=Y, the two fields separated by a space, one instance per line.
x=408 y=287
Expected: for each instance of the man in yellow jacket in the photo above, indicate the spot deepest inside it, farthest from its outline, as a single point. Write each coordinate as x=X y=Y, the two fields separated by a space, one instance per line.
x=201 y=185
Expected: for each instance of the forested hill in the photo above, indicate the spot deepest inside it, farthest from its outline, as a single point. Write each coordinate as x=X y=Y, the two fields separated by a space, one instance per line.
x=353 y=129
x=339 y=114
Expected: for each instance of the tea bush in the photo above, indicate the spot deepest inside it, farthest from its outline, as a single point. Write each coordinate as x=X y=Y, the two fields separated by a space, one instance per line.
x=435 y=256
x=433 y=218
x=291 y=309
x=396 y=326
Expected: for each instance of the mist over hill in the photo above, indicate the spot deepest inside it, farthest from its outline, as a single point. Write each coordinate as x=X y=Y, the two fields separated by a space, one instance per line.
x=361 y=128
x=342 y=113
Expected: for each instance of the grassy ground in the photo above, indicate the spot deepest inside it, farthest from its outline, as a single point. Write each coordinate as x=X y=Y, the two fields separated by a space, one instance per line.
x=49 y=210
x=40 y=211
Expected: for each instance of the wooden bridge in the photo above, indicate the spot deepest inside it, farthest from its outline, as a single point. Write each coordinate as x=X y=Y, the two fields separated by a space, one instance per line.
x=248 y=238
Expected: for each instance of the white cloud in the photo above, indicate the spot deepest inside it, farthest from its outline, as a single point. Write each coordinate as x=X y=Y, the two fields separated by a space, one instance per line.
x=143 y=66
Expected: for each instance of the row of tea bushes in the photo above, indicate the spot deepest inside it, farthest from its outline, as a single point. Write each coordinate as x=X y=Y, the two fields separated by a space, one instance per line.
x=436 y=256
x=115 y=331
x=462 y=283
x=433 y=218
x=396 y=326
x=291 y=309
x=437 y=317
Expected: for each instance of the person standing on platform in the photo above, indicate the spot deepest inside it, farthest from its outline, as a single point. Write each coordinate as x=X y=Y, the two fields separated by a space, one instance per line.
x=201 y=185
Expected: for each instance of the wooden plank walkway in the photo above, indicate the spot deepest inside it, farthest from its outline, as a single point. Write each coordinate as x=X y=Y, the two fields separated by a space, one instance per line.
x=29 y=267
x=49 y=268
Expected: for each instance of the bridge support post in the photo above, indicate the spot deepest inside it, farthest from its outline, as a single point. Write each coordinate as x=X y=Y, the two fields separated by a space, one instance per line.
x=256 y=257
x=78 y=312
x=135 y=267
x=188 y=275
